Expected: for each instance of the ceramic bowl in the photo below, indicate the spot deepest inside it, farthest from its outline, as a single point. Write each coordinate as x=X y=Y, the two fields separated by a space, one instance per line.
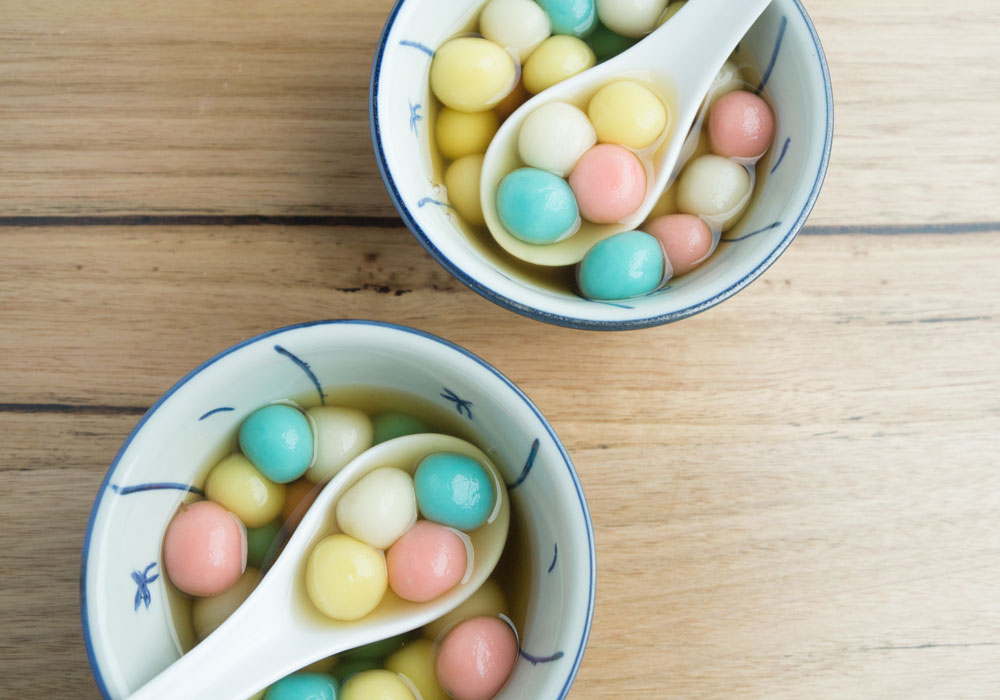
x=134 y=625
x=782 y=50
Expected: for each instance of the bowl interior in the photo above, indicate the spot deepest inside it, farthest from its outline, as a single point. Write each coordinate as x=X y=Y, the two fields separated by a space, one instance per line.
x=135 y=626
x=781 y=53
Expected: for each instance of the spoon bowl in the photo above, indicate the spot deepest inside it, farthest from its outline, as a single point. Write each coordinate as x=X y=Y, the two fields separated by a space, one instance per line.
x=679 y=61
x=278 y=630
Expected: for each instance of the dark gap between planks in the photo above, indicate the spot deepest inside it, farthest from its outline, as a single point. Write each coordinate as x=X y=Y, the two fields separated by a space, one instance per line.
x=394 y=222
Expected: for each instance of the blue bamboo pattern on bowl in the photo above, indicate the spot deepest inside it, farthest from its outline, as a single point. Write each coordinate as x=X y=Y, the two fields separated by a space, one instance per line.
x=220 y=409
x=784 y=150
x=304 y=366
x=528 y=464
x=461 y=405
x=417 y=45
x=142 y=580
x=415 y=117
x=156 y=486
x=535 y=660
x=430 y=200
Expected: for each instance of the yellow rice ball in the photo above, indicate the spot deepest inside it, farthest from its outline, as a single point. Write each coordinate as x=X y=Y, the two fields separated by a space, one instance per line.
x=464 y=133
x=627 y=113
x=557 y=58
x=416 y=662
x=461 y=179
x=238 y=486
x=471 y=74
x=375 y=685
x=487 y=601
x=346 y=579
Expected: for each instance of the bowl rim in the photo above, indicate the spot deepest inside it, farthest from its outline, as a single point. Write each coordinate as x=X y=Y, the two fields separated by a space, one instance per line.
x=574 y=321
x=448 y=345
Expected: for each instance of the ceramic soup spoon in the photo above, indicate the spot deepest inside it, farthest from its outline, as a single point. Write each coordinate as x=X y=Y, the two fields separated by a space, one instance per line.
x=679 y=60
x=278 y=630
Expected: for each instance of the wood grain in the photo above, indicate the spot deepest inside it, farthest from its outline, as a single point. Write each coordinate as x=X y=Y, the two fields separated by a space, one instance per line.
x=251 y=108
x=794 y=493
x=790 y=510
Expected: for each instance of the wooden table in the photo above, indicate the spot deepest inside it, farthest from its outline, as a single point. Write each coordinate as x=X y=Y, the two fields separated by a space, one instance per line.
x=795 y=494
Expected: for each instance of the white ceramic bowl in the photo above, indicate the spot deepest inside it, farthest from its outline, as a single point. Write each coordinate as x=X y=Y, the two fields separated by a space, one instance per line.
x=127 y=625
x=784 y=50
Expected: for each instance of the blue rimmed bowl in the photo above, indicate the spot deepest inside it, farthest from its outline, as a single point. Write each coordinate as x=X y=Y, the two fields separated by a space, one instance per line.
x=782 y=50
x=134 y=625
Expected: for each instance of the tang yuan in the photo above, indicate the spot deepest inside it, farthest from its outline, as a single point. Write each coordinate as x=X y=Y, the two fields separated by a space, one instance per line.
x=715 y=187
x=376 y=684
x=426 y=562
x=341 y=435
x=346 y=579
x=609 y=183
x=686 y=240
x=556 y=59
x=554 y=137
x=304 y=686
x=415 y=661
x=279 y=441
x=573 y=17
x=625 y=265
x=454 y=490
x=237 y=485
x=741 y=126
x=379 y=508
x=204 y=549
x=631 y=18
x=471 y=74
x=627 y=113
x=461 y=180
x=517 y=25
x=464 y=133
x=476 y=658
x=537 y=207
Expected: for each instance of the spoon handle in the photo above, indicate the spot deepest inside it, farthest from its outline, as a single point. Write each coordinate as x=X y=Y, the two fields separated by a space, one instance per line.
x=237 y=659
x=702 y=34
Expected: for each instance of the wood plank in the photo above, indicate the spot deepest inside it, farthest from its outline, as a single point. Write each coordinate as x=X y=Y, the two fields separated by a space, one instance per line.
x=51 y=466
x=782 y=543
x=114 y=315
x=252 y=108
x=790 y=509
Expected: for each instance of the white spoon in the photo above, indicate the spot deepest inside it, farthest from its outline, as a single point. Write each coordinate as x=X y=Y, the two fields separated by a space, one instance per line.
x=278 y=630
x=679 y=60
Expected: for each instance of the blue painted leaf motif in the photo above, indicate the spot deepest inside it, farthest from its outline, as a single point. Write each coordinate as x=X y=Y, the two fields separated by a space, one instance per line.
x=156 y=486
x=555 y=556
x=461 y=405
x=745 y=236
x=304 y=366
x=535 y=660
x=142 y=580
x=417 y=45
x=431 y=200
x=528 y=464
x=774 y=55
x=784 y=150
x=220 y=409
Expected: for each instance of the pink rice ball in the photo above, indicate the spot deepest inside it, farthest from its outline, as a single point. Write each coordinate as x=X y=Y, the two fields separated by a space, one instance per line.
x=476 y=658
x=741 y=125
x=204 y=549
x=685 y=240
x=609 y=183
x=427 y=561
